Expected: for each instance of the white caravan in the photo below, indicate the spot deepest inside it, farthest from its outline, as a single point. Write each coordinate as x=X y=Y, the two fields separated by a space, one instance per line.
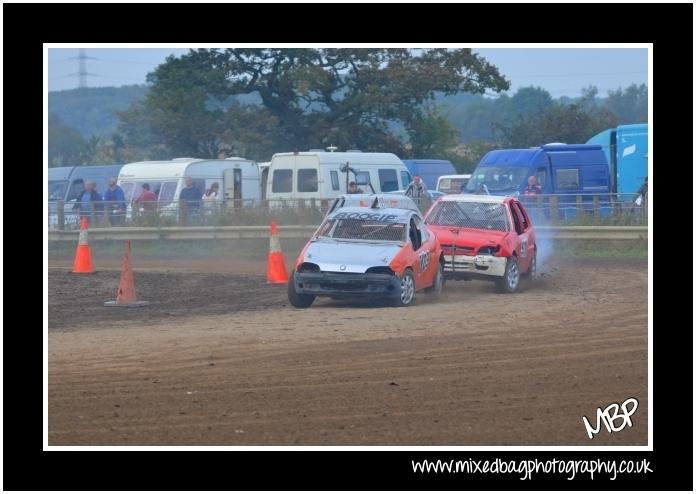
x=324 y=175
x=238 y=179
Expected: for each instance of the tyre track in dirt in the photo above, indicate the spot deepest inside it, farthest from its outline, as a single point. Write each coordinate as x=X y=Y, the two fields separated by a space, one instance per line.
x=476 y=368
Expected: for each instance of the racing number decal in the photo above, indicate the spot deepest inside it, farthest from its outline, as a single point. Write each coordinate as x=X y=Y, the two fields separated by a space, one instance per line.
x=424 y=258
x=523 y=249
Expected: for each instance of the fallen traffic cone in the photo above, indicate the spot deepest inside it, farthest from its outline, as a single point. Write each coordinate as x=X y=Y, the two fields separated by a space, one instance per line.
x=83 y=255
x=276 y=262
x=126 y=288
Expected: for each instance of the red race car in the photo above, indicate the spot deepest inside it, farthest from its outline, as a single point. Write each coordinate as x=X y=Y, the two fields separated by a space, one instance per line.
x=486 y=237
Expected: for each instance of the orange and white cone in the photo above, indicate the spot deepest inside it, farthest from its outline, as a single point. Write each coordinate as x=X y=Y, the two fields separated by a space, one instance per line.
x=276 y=262
x=83 y=255
x=126 y=288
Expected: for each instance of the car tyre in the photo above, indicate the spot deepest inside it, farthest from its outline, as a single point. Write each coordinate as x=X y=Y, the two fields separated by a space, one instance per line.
x=532 y=274
x=510 y=281
x=438 y=282
x=298 y=300
x=407 y=291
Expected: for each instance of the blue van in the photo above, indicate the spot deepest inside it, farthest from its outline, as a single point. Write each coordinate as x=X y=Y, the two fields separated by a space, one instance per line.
x=564 y=169
x=430 y=170
x=626 y=149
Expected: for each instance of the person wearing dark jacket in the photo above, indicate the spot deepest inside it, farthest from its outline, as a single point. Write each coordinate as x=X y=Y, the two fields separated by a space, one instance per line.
x=190 y=198
x=89 y=201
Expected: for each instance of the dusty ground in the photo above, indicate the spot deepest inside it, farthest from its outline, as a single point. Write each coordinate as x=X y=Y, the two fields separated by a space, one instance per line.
x=220 y=358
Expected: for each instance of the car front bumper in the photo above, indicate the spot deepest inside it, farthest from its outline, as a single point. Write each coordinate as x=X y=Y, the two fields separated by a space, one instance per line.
x=484 y=265
x=349 y=284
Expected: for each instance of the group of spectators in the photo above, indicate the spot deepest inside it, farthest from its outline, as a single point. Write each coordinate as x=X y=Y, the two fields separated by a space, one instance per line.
x=112 y=205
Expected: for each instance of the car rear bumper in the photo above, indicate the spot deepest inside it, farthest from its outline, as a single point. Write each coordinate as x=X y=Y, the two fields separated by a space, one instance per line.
x=332 y=284
x=479 y=265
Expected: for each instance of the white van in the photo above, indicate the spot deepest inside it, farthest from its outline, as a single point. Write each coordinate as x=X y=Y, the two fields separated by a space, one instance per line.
x=452 y=184
x=324 y=175
x=238 y=179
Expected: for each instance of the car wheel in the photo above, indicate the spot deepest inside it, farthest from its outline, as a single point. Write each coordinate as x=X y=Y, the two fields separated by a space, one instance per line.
x=510 y=281
x=298 y=300
x=407 y=290
x=532 y=274
x=438 y=282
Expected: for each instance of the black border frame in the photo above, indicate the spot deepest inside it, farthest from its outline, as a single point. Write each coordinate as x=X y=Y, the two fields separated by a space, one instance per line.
x=26 y=27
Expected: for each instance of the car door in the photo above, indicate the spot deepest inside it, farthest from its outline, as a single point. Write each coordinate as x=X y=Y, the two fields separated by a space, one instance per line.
x=423 y=249
x=525 y=249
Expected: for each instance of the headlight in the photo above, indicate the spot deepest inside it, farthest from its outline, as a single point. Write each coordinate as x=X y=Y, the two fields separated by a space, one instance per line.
x=489 y=250
x=380 y=270
x=308 y=267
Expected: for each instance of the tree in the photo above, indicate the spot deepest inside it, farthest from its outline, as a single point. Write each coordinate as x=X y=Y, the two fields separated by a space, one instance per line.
x=630 y=105
x=530 y=101
x=65 y=144
x=347 y=97
x=430 y=133
x=560 y=123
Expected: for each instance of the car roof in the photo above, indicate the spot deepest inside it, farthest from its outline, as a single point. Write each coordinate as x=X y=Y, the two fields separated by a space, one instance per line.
x=474 y=198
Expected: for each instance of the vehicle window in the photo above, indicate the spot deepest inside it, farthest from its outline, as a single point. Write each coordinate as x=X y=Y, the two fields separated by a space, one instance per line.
x=387 y=180
x=421 y=229
x=405 y=179
x=166 y=194
x=138 y=189
x=541 y=177
x=56 y=189
x=362 y=178
x=414 y=235
x=360 y=227
x=307 y=180
x=127 y=190
x=516 y=220
x=567 y=178
x=281 y=181
x=520 y=217
x=334 y=180
x=525 y=217
x=479 y=215
x=497 y=178
x=76 y=189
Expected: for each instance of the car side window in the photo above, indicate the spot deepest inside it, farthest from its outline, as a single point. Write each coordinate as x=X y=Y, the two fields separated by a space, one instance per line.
x=522 y=218
x=422 y=229
x=516 y=219
x=414 y=234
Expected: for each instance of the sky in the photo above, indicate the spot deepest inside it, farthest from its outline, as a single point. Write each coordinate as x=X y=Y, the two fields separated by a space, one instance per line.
x=561 y=71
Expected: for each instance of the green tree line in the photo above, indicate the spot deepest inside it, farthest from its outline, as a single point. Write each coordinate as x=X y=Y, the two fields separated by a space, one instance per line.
x=254 y=102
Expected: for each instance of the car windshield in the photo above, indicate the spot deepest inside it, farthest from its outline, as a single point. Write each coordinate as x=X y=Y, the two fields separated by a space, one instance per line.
x=363 y=229
x=496 y=178
x=480 y=215
x=56 y=189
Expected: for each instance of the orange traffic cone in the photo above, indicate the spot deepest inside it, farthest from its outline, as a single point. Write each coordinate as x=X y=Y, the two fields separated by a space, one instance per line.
x=276 y=262
x=83 y=255
x=126 y=288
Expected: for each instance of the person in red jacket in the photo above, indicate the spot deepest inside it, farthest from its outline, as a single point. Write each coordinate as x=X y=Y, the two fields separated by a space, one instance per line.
x=147 y=199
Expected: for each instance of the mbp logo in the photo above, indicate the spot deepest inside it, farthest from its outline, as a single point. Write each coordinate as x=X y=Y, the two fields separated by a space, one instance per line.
x=610 y=415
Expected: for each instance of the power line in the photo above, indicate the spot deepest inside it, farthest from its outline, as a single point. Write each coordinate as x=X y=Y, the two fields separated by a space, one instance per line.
x=577 y=74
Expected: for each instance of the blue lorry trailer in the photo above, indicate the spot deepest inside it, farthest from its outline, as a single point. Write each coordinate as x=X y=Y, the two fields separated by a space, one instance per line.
x=626 y=149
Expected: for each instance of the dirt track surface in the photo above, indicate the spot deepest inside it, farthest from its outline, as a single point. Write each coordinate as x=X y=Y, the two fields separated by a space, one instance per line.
x=221 y=359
